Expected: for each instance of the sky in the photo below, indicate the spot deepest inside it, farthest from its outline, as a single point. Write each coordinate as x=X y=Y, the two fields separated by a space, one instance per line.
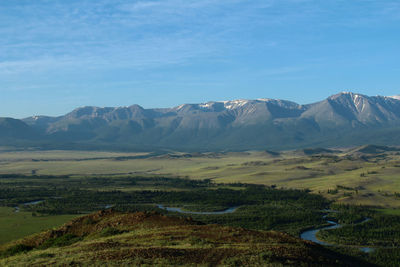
x=59 y=55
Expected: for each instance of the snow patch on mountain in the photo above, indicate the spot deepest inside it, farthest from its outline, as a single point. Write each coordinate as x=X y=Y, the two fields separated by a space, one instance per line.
x=233 y=104
x=395 y=97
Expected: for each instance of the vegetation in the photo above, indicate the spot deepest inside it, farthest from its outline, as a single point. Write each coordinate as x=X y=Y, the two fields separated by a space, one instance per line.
x=366 y=227
x=353 y=184
x=379 y=231
x=14 y=225
x=152 y=239
x=350 y=214
x=361 y=176
x=260 y=207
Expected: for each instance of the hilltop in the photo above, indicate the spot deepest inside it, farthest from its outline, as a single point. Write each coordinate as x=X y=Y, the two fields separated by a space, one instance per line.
x=114 y=238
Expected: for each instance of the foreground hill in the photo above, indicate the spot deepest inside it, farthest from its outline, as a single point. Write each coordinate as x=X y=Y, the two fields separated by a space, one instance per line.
x=341 y=120
x=112 y=238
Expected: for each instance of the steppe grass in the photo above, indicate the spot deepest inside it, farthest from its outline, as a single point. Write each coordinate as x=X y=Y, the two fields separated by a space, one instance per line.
x=25 y=223
x=374 y=180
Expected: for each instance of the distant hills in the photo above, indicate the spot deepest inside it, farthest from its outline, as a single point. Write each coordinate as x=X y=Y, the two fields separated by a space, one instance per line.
x=344 y=119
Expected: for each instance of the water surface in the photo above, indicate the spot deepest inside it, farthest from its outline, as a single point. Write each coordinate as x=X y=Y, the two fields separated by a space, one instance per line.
x=311 y=235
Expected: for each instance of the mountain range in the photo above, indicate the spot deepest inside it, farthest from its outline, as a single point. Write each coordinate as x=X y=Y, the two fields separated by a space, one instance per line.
x=344 y=119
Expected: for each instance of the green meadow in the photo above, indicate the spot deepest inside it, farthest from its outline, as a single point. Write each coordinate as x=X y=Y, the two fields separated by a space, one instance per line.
x=15 y=225
x=345 y=176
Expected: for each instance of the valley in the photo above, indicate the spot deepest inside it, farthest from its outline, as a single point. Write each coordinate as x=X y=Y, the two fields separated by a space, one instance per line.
x=200 y=133
x=286 y=192
x=366 y=175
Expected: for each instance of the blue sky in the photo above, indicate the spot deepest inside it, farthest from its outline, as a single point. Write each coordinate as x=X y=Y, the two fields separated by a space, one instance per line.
x=58 y=55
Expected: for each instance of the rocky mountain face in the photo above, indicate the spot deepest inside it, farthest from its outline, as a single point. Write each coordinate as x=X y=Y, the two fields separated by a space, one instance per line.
x=340 y=120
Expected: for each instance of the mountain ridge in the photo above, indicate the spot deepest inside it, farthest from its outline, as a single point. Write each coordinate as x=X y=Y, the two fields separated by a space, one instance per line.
x=342 y=119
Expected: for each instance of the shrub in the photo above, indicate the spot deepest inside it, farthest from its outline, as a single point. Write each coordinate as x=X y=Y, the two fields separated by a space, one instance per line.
x=16 y=249
x=61 y=241
x=110 y=231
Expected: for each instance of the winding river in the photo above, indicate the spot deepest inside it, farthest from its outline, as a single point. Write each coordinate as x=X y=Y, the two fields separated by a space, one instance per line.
x=311 y=235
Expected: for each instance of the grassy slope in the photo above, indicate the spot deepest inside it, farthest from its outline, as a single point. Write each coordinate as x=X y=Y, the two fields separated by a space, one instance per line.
x=110 y=238
x=25 y=223
x=294 y=170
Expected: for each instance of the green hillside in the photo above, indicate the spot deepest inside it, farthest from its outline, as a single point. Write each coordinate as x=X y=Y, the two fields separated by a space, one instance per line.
x=110 y=238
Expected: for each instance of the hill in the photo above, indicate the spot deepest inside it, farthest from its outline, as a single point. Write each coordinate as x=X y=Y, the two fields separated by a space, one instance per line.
x=113 y=238
x=373 y=149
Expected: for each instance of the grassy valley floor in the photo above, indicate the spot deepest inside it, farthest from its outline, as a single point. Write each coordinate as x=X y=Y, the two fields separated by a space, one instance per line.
x=366 y=175
x=15 y=225
x=277 y=196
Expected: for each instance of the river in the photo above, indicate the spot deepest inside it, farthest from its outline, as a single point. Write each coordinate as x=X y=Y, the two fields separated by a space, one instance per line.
x=311 y=235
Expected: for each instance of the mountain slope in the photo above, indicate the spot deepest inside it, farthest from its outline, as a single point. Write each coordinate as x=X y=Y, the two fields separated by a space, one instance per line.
x=340 y=120
x=112 y=238
x=349 y=109
x=12 y=130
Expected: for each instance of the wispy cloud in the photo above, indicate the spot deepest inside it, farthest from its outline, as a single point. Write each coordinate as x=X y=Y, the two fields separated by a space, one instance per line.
x=189 y=43
x=140 y=34
x=115 y=33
